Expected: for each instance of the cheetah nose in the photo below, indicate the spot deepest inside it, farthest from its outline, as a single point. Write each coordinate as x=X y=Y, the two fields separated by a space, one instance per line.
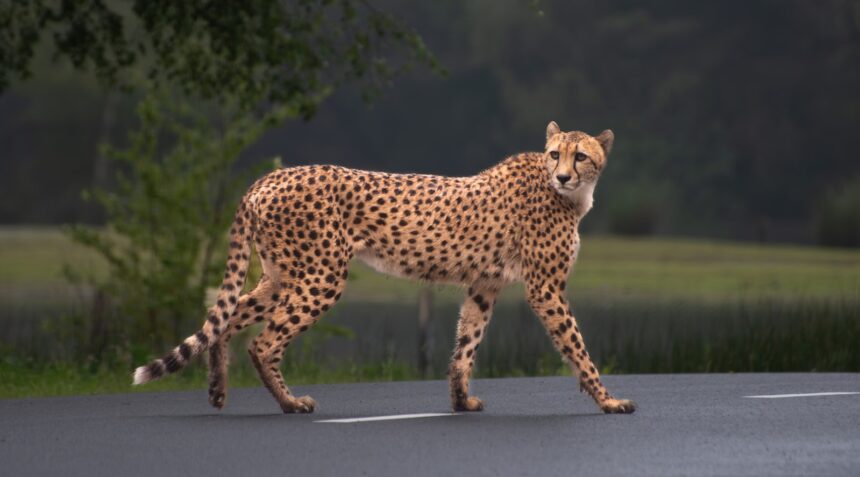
x=562 y=179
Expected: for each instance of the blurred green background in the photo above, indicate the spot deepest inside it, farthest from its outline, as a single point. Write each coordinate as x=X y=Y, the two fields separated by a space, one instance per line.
x=725 y=231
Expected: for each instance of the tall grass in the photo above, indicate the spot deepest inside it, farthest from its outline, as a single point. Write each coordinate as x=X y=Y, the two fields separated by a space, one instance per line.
x=645 y=306
x=23 y=379
x=762 y=336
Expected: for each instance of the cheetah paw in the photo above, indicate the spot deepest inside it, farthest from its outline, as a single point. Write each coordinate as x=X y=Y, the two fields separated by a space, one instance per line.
x=300 y=405
x=217 y=399
x=470 y=404
x=618 y=406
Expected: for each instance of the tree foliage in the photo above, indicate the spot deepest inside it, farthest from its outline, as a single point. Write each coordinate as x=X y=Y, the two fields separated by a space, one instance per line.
x=176 y=193
x=254 y=52
x=741 y=119
x=256 y=62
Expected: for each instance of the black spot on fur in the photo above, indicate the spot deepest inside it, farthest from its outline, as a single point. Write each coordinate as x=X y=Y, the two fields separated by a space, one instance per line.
x=155 y=369
x=171 y=363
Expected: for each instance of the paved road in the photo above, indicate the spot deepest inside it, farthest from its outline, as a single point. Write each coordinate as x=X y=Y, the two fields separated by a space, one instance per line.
x=686 y=424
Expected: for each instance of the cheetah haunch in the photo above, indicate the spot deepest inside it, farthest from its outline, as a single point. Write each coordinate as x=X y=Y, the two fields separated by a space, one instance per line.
x=515 y=222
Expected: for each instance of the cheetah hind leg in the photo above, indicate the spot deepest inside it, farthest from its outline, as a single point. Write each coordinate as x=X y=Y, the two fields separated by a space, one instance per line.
x=291 y=318
x=252 y=307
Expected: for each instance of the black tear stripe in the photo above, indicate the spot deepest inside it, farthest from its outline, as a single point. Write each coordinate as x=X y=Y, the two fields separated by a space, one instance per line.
x=554 y=169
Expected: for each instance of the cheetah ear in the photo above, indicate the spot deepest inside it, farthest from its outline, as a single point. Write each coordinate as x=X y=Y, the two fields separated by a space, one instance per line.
x=552 y=129
x=606 y=138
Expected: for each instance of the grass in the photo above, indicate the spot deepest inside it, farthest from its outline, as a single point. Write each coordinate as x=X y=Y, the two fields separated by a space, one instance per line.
x=675 y=268
x=35 y=256
x=65 y=379
x=705 y=269
x=764 y=336
x=645 y=305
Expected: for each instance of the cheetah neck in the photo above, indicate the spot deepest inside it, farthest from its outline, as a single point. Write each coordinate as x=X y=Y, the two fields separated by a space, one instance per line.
x=582 y=198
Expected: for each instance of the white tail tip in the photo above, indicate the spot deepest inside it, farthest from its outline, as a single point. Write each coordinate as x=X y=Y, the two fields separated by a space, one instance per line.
x=141 y=375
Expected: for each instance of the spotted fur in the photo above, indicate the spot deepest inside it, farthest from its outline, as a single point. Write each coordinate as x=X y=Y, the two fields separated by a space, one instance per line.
x=514 y=222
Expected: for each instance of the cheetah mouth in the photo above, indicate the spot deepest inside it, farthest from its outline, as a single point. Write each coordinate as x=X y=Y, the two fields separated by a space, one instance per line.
x=567 y=187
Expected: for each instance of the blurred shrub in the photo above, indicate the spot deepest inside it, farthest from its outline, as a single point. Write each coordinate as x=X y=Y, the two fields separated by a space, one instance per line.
x=175 y=197
x=838 y=223
x=634 y=210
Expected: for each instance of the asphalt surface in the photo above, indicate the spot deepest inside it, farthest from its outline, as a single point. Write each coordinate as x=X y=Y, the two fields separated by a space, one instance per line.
x=685 y=425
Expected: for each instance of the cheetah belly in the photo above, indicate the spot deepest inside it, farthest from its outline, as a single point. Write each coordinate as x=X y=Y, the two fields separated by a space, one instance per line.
x=380 y=264
x=512 y=271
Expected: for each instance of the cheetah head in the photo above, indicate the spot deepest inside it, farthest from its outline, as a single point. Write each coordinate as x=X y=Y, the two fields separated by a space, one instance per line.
x=574 y=161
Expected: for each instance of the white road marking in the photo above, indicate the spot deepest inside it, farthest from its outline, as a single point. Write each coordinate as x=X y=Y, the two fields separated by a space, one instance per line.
x=394 y=417
x=780 y=396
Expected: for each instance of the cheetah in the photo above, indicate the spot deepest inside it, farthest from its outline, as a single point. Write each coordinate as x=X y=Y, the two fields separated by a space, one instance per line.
x=514 y=222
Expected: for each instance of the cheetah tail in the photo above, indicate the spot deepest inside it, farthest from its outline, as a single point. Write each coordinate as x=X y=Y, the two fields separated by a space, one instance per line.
x=238 y=260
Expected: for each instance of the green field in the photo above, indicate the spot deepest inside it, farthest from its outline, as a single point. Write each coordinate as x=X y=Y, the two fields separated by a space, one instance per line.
x=646 y=305
x=685 y=269
x=673 y=268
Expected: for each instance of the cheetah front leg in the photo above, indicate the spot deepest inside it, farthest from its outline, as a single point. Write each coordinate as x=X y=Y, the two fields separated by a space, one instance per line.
x=474 y=317
x=551 y=306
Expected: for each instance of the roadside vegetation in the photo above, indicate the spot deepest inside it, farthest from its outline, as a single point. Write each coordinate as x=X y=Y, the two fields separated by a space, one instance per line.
x=646 y=305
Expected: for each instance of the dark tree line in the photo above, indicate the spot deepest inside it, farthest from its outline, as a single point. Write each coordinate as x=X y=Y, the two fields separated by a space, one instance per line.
x=735 y=120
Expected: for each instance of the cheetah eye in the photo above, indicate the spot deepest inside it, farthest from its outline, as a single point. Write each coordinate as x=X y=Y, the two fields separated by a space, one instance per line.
x=579 y=157
x=554 y=155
